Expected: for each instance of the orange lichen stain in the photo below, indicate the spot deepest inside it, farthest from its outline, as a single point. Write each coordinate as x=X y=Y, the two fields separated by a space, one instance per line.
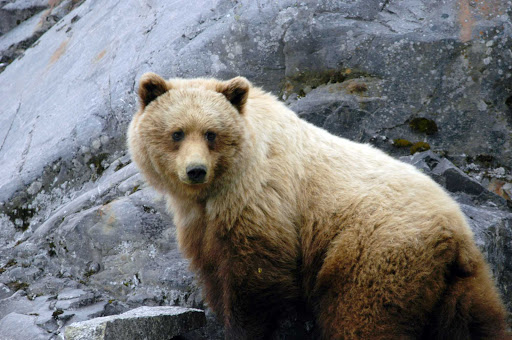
x=357 y=87
x=288 y=88
x=471 y=10
x=108 y=217
x=100 y=56
x=490 y=9
x=59 y=51
x=496 y=186
x=466 y=21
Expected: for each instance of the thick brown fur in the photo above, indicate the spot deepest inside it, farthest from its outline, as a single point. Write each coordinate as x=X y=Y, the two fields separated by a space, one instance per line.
x=287 y=213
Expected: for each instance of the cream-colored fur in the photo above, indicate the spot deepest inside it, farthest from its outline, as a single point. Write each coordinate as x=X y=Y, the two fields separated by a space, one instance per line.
x=289 y=212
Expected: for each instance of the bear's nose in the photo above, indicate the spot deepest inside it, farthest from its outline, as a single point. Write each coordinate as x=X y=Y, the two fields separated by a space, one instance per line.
x=196 y=173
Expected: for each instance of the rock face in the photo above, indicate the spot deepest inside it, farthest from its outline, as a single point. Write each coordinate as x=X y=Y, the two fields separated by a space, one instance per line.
x=82 y=236
x=26 y=21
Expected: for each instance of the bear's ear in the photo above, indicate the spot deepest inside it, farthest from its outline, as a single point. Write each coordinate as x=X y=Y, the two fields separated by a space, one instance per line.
x=236 y=91
x=151 y=86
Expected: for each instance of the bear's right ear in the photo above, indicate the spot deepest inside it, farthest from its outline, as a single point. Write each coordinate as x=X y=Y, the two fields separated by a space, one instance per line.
x=151 y=86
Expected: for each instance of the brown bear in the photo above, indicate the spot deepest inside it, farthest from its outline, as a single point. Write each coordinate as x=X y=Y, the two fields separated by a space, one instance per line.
x=272 y=210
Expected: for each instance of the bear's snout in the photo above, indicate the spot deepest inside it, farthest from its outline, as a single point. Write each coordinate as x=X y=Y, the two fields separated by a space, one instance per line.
x=196 y=173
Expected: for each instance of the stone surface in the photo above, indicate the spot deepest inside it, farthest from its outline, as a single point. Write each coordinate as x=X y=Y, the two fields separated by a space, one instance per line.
x=454 y=180
x=151 y=323
x=82 y=236
x=15 y=41
x=493 y=233
x=20 y=326
x=13 y=13
x=424 y=67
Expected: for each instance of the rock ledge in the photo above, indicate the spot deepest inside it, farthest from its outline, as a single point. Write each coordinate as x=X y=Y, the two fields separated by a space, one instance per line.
x=150 y=323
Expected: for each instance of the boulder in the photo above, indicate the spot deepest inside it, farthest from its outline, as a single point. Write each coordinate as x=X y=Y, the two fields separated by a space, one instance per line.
x=151 y=323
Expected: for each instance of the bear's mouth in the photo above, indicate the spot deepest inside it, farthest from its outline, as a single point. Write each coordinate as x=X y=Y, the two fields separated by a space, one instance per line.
x=192 y=182
x=195 y=183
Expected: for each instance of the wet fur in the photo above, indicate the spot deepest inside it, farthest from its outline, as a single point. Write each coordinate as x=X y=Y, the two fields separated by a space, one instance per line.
x=291 y=213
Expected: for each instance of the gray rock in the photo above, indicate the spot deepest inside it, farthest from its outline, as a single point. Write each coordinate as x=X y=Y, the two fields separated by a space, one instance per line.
x=464 y=187
x=400 y=49
x=152 y=323
x=456 y=181
x=21 y=304
x=69 y=294
x=290 y=42
x=15 y=12
x=16 y=326
x=14 y=43
x=5 y=291
x=493 y=233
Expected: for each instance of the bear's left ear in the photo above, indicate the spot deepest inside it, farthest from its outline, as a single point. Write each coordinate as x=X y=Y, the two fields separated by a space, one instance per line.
x=151 y=86
x=236 y=91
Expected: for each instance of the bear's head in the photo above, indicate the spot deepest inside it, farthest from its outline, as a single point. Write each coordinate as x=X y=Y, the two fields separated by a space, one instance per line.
x=187 y=133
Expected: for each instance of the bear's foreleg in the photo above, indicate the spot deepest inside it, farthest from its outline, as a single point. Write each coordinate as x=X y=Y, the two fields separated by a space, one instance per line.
x=250 y=316
x=257 y=282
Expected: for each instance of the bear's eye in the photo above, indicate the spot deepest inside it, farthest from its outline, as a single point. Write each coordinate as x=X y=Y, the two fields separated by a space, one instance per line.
x=178 y=135
x=210 y=136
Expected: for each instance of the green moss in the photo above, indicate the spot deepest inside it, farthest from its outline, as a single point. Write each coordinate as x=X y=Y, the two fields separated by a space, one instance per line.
x=57 y=313
x=10 y=263
x=485 y=159
x=96 y=161
x=52 y=251
x=89 y=273
x=423 y=125
x=400 y=143
x=419 y=147
x=314 y=79
x=22 y=214
x=17 y=285
x=508 y=102
x=301 y=93
x=120 y=166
